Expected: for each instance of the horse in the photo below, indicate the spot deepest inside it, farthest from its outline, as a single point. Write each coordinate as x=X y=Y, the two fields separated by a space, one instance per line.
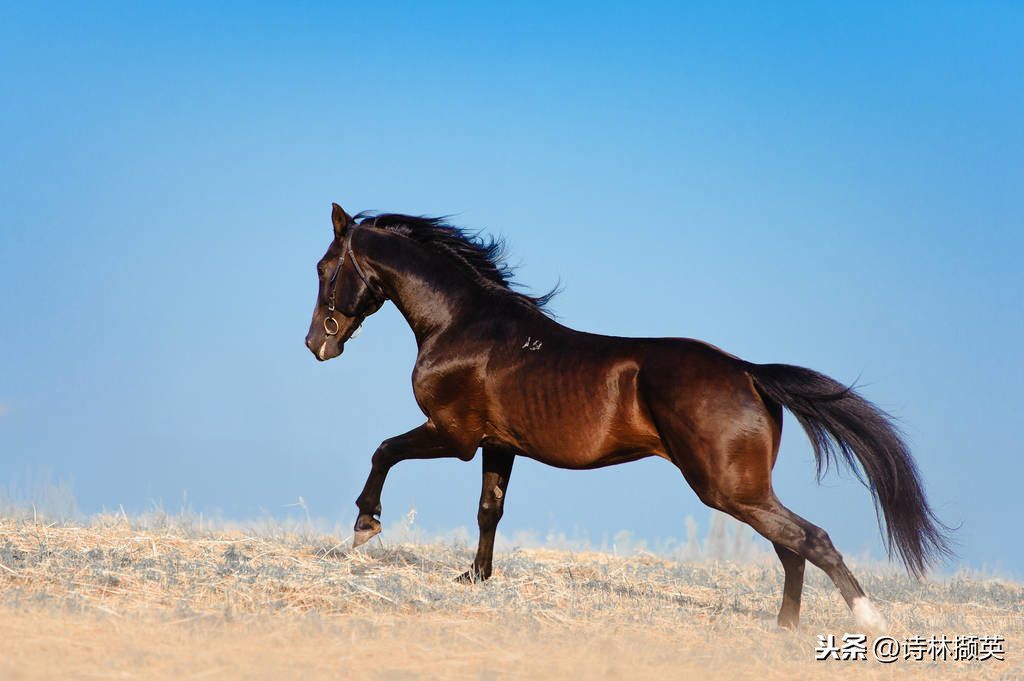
x=495 y=372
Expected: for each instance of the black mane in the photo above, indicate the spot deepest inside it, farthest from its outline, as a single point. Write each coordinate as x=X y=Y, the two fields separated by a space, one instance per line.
x=483 y=259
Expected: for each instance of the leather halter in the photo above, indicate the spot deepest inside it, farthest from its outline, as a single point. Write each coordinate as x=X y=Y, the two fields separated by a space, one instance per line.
x=346 y=252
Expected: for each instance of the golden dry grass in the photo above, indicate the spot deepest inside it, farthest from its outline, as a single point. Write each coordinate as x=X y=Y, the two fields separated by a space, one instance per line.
x=113 y=600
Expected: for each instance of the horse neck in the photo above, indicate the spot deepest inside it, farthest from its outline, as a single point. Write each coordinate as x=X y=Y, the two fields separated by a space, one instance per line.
x=425 y=287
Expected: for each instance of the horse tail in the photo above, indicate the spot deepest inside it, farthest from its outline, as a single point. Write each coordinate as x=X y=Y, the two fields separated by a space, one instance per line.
x=843 y=425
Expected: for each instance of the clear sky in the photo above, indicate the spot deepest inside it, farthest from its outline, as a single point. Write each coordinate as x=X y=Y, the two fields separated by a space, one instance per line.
x=837 y=186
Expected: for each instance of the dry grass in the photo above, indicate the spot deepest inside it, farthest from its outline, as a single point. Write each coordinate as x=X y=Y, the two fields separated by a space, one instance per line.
x=112 y=599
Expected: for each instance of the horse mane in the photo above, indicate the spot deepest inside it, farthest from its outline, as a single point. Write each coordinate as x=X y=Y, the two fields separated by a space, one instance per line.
x=483 y=259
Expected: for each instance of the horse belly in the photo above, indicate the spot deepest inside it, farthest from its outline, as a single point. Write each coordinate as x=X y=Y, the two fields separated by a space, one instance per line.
x=578 y=419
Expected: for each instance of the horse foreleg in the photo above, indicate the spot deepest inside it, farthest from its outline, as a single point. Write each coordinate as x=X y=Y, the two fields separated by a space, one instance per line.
x=497 y=467
x=423 y=442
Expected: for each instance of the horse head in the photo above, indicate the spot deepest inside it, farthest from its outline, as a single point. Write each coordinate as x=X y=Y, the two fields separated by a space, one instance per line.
x=346 y=295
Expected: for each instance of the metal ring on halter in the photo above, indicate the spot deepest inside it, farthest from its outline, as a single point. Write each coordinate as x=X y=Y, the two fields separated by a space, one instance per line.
x=327 y=330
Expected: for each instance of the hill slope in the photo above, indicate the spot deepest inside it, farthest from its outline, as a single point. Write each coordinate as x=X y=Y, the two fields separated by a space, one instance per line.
x=116 y=600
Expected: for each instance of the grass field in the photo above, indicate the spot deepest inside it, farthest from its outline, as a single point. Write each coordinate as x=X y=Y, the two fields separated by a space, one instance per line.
x=120 y=599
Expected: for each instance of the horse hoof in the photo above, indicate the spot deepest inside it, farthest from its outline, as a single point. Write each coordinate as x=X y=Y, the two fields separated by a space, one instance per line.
x=788 y=623
x=466 y=577
x=471 y=577
x=365 y=531
x=363 y=536
x=869 y=620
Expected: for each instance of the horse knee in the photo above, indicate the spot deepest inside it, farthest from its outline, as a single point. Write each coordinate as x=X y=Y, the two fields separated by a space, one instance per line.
x=384 y=455
x=490 y=512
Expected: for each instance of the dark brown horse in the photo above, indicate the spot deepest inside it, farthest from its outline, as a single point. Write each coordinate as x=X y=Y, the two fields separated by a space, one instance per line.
x=495 y=373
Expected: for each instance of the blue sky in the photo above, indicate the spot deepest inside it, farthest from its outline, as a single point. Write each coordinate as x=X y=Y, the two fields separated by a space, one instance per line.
x=833 y=186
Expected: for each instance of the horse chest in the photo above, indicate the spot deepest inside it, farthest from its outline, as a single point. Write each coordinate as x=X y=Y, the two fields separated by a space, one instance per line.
x=445 y=385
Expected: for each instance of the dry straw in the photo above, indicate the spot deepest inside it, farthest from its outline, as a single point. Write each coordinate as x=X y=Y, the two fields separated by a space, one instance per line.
x=115 y=598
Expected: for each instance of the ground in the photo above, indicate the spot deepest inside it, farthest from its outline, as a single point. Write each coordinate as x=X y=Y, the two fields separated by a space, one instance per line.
x=114 y=599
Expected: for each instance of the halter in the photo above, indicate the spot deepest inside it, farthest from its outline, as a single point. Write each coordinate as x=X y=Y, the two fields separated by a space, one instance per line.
x=346 y=251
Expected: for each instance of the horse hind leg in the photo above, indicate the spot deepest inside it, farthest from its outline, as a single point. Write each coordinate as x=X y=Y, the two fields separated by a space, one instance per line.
x=793 y=565
x=797 y=540
x=792 y=533
x=730 y=470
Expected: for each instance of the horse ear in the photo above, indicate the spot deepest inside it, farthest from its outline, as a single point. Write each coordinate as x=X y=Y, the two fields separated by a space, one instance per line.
x=340 y=218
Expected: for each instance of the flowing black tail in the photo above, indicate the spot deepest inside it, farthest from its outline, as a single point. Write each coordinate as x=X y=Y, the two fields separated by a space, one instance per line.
x=841 y=423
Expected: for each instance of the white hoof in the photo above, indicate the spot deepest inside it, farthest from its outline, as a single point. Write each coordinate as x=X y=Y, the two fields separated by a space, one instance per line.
x=869 y=620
